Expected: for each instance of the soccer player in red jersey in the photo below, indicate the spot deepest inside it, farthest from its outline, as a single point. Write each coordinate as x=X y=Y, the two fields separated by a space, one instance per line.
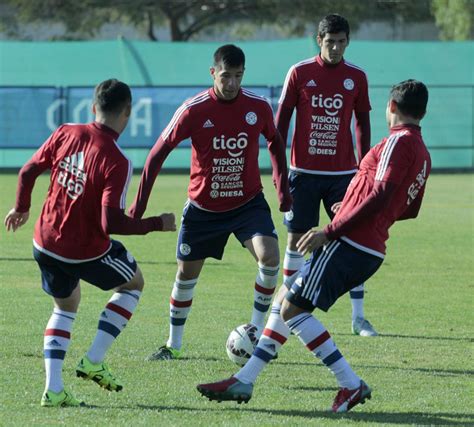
x=225 y=190
x=326 y=92
x=85 y=203
x=388 y=187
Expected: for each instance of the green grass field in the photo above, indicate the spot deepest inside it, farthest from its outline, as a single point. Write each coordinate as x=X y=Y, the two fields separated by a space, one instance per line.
x=421 y=300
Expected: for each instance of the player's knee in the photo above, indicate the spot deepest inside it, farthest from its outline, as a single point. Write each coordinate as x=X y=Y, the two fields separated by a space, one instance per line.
x=288 y=310
x=137 y=283
x=270 y=258
x=293 y=240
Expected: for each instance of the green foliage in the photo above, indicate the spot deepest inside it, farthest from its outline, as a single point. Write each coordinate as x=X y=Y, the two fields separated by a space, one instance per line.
x=420 y=300
x=455 y=18
x=187 y=19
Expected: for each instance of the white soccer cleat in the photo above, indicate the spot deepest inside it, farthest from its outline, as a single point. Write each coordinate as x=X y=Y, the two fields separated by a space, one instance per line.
x=363 y=327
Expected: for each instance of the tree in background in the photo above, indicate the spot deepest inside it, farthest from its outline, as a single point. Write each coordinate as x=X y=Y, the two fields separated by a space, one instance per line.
x=455 y=18
x=188 y=19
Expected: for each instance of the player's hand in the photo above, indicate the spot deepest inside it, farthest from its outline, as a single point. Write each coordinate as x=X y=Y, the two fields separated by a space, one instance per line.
x=169 y=221
x=132 y=211
x=335 y=207
x=286 y=203
x=311 y=240
x=14 y=220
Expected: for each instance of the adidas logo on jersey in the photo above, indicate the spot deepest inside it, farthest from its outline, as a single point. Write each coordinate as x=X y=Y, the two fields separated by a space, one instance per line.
x=208 y=124
x=311 y=83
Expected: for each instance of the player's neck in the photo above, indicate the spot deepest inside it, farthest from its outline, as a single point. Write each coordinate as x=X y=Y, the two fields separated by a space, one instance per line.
x=113 y=124
x=404 y=120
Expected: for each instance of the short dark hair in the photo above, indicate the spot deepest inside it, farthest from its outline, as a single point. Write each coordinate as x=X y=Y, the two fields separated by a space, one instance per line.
x=112 y=96
x=411 y=97
x=229 y=55
x=333 y=23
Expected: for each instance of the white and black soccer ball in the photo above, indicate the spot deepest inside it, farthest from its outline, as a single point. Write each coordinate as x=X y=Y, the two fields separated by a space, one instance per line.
x=241 y=343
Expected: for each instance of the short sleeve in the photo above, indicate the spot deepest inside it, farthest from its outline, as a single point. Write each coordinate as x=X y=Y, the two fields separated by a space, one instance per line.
x=117 y=179
x=395 y=160
x=289 y=93
x=362 y=102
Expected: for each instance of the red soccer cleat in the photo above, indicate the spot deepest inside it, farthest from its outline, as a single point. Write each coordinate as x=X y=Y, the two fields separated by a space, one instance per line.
x=229 y=389
x=347 y=399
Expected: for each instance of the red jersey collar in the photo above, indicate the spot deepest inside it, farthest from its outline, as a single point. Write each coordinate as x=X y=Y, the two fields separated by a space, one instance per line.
x=223 y=101
x=398 y=128
x=103 y=128
x=321 y=62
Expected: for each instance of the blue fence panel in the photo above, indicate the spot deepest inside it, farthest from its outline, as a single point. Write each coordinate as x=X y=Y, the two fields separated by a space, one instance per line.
x=25 y=114
x=29 y=115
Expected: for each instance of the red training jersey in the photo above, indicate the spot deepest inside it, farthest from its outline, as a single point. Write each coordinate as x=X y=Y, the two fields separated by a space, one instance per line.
x=225 y=148
x=402 y=160
x=88 y=171
x=325 y=97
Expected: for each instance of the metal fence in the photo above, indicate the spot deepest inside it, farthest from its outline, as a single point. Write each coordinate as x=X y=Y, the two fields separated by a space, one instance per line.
x=29 y=115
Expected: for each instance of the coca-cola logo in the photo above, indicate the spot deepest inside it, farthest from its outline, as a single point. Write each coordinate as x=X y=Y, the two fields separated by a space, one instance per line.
x=226 y=178
x=234 y=146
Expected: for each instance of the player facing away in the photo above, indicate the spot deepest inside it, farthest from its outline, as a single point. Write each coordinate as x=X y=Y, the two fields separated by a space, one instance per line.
x=225 y=190
x=85 y=203
x=388 y=187
x=326 y=92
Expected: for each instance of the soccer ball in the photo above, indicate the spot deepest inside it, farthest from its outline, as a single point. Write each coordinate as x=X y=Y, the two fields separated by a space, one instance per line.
x=241 y=343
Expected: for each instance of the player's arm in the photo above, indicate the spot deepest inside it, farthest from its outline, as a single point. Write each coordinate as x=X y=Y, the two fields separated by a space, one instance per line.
x=282 y=120
x=380 y=196
x=177 y=130
x=153 y=164
x=393 y=164
x=362 y=131
x=287 y=103
x=39 y=162
x=113 y=217
x=277 y=149
x=115 y=221
x=414 y=207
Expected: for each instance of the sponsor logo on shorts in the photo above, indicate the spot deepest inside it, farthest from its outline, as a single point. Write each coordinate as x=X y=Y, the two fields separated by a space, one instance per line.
x=251 y=118
x=184 y=249
x=349 y=84
x=289 y=215
x=130 y=257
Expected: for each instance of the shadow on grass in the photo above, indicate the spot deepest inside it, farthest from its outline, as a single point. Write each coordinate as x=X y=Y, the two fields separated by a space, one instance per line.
x=208 y=263
x=419 y=337
x=317 y=364
x=431 y=371
x=417 y=418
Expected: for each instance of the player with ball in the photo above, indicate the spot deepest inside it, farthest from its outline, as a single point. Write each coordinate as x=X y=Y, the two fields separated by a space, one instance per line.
x=388 y=187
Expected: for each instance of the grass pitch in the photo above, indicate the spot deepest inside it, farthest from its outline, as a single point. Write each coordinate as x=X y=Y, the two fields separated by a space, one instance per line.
x=421 y=301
